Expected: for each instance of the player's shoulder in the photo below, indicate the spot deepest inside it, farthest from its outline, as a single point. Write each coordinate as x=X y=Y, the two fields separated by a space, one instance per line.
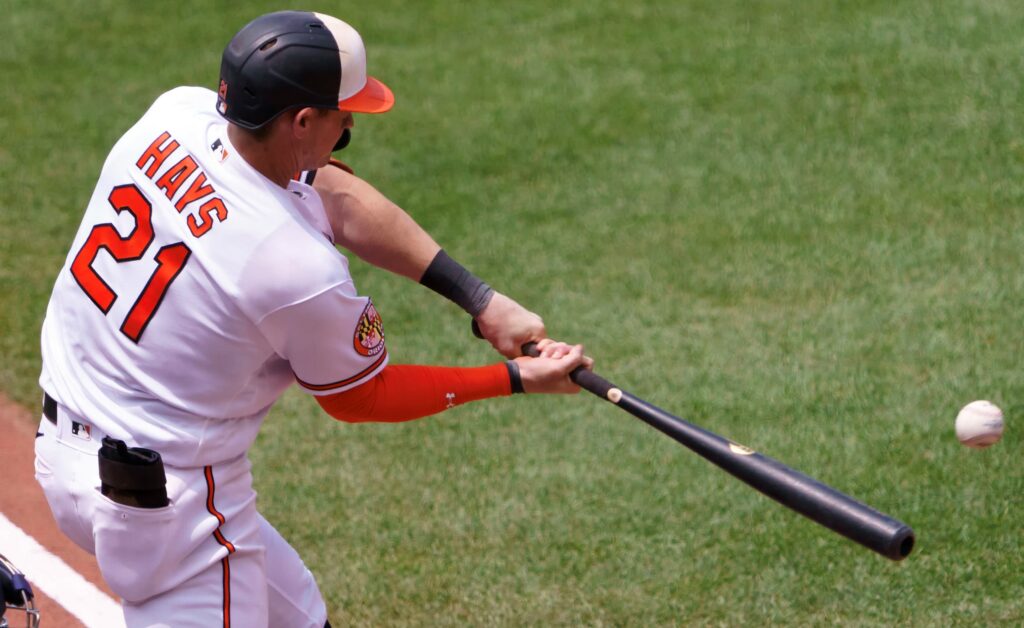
x=186 y=98
x=293 y=261
x=177 y=109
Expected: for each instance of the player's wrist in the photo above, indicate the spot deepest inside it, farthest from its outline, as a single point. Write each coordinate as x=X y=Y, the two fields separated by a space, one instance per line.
x=454 y=282
x=515 y=377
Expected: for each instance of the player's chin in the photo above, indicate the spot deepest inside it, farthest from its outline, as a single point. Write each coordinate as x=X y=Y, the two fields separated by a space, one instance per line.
x=319 y=163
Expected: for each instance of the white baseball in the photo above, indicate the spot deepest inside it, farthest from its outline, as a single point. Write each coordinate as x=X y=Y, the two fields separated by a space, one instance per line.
x=979 y=424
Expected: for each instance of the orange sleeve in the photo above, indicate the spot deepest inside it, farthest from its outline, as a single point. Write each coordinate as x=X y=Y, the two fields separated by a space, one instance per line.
x=405 y=392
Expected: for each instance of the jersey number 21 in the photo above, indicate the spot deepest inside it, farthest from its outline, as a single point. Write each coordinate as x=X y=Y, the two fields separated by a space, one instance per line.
x=170 y=260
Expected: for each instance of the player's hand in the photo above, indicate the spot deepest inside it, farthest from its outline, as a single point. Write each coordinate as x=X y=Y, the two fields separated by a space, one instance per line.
x=508 y=326
x=549 y=372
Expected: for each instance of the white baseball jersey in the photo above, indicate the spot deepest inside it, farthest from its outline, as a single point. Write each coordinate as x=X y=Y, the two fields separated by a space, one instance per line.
x=196 y=291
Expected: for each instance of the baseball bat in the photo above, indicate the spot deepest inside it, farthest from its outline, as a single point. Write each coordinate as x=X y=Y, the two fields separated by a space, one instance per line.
x=809 y=497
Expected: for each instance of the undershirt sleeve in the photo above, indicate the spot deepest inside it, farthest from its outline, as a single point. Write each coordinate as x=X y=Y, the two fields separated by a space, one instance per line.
x=405 y=392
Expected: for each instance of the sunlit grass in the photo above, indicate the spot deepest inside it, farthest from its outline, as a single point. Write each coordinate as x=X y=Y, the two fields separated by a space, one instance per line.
x=799 y=225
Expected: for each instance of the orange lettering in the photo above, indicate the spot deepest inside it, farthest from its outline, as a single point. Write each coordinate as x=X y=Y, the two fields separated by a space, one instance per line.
x=196 y=190
x=176 y=175
x=157 y=153
x=199 y=229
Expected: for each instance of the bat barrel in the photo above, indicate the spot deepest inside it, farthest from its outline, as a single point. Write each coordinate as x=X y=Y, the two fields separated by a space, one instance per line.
x=816 y=501
x=820 y=503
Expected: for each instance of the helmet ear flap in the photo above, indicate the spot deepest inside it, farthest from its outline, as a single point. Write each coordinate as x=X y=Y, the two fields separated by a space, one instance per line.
x=16 y=592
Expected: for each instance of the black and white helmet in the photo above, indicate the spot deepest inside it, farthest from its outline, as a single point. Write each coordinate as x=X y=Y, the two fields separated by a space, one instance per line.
x=291 y=59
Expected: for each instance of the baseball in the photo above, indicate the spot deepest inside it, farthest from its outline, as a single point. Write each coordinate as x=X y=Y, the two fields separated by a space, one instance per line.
x=979 y=424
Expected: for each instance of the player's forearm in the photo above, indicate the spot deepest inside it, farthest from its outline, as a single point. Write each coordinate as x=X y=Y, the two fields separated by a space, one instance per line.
x=407 y=392
x=365 y=222
x=380 y=232
x=391 y=239
x=388 y=238
x=368 y=224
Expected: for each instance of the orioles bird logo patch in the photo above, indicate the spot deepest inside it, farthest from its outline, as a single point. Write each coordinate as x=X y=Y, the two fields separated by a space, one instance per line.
x=369 y=336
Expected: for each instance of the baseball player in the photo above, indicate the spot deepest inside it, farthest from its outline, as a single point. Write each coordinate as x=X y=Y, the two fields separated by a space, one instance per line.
x=203 y=281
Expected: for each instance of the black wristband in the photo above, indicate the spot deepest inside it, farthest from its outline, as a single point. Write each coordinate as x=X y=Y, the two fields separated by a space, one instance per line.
x=451 y=280
x=514 y=377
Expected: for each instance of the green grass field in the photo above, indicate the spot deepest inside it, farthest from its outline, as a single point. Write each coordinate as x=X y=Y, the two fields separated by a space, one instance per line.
x=798 y=224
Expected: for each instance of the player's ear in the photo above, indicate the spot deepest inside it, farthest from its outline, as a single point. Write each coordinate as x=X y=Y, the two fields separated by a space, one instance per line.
x=302 y=121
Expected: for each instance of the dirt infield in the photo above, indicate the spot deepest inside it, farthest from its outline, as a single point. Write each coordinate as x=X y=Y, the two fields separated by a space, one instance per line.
x=22 y=501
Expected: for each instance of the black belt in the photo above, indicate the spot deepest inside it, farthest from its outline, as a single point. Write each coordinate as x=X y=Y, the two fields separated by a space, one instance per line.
x=50 y=408
x=50 y=412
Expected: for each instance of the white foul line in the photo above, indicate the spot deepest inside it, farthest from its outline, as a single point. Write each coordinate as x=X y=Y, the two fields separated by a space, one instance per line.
x=64 y=585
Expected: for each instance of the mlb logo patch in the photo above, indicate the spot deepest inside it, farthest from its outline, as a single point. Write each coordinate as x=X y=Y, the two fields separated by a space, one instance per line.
x=218 y=149
x=81 y=430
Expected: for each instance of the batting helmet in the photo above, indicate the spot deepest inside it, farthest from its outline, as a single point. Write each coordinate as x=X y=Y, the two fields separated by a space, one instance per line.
x=293 y=59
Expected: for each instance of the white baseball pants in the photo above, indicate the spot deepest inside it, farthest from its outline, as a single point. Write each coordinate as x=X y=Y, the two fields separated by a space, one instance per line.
x=208 y=559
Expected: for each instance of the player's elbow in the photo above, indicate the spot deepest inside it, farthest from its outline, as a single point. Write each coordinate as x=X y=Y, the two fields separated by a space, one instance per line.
x=342 y=408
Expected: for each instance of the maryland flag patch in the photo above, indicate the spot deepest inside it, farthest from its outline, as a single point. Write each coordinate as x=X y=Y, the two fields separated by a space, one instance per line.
x=369 y=336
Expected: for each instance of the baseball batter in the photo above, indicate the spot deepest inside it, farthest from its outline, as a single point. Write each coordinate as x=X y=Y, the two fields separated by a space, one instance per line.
x=203 y=281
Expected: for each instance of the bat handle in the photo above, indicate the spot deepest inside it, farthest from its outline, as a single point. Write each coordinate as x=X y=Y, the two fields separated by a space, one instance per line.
x=585 y=379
